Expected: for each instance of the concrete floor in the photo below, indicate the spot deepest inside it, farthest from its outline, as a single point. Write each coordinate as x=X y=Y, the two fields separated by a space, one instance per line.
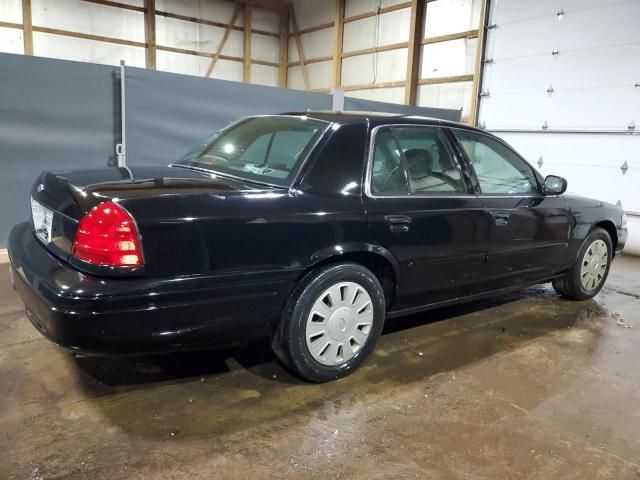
x=522 y=386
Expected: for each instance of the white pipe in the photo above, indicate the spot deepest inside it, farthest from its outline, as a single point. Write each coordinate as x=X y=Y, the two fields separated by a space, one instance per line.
x=121 y=148
x=632 y=246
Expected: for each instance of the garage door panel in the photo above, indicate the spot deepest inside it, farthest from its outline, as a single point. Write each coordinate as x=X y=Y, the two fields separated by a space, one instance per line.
x=591 y=163
x=594 y=27
x=523 y=39
x=521 y=74
x=599 y=67
x=583 y=150
x=515 y=110
x=508 y=11
x=605 y=108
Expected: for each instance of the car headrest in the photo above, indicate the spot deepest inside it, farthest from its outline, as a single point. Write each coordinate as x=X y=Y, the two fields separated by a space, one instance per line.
x=420 y=162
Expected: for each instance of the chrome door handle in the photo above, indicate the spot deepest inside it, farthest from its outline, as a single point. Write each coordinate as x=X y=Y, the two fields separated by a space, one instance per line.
x=398 y=223
x=501 y=218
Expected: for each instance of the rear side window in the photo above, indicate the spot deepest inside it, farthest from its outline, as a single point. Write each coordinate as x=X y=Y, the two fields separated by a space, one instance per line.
x=414 y=160
x=388 y=176
x=268 y=149
x=499 y=170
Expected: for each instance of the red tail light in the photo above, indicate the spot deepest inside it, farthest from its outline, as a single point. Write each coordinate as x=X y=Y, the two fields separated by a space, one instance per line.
x=108 y=236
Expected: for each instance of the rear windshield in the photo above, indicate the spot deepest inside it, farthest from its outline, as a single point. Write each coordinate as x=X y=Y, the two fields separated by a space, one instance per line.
x=265 y=149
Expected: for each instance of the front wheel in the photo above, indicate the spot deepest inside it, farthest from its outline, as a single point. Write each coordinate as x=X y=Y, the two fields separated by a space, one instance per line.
x=586 y=278
x=331 y=322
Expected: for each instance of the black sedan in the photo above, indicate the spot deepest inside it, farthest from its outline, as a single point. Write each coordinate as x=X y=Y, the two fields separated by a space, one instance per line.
x=309 y=228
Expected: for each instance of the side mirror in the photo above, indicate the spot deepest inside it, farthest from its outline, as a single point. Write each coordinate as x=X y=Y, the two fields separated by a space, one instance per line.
x=554 y=185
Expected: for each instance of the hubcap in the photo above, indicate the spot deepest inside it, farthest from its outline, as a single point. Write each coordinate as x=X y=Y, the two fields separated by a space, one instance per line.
x=339 y=323
x=594 y=265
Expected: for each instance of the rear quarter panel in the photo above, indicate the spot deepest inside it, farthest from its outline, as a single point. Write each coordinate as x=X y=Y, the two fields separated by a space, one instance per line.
x=243 y=232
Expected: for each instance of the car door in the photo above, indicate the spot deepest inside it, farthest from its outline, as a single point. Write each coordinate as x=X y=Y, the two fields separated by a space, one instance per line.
x=528 y=231
x=420 y=207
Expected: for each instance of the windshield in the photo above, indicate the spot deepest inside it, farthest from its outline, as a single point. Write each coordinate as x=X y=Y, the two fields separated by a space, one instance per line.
x=265 y=149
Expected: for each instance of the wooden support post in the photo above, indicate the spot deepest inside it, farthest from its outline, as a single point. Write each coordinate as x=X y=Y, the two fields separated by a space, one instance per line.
x=478 y=68
x=413 y=52
x=150 y=33
x=246 y=77
x=27 y=27
x=296 y=33
x=227 y=31
x=284 y=47
x=339 y=35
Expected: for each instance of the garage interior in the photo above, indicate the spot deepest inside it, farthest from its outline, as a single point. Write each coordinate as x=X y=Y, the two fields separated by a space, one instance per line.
x=521 y=385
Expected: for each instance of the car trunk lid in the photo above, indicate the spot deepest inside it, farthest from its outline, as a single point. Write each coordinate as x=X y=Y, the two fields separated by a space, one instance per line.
x=59 y=200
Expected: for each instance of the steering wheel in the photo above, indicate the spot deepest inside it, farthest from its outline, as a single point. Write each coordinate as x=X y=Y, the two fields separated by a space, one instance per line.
x=446 y=179
x=390 y=183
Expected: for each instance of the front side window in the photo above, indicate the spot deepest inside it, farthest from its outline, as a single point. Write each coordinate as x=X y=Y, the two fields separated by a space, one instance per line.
x=267 y=149
x=499 y=170
x=414 y=160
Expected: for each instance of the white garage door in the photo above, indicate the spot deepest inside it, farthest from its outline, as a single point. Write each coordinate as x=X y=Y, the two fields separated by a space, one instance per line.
x=562 y=85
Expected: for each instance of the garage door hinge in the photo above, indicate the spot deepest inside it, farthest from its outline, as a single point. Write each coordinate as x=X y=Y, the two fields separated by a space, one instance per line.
x=624 y=167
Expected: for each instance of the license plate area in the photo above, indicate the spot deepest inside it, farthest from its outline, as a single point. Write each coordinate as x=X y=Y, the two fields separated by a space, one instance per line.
x=42 y=221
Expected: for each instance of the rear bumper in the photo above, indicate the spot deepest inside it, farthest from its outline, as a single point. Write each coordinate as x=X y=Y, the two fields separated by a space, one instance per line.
x=113 y=316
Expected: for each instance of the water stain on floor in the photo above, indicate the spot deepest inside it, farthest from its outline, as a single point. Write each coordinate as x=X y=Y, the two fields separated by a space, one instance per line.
x=521 y=385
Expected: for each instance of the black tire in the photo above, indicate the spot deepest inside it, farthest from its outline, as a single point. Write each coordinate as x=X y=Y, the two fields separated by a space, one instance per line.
x=289 y=341
x=570 y=285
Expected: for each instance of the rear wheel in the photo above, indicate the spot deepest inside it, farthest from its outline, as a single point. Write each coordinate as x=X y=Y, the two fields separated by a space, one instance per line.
x=586 y=278
x=331 y=322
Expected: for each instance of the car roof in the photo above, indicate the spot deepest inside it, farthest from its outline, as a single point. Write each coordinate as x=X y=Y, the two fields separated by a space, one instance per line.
x=377 y=118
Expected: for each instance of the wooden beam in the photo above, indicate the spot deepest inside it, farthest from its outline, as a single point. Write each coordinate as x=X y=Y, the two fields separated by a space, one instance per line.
x=150 y=33
x=212 y=23
x=267 y=63
x=316 y=28
x=338 y=39
x=17 y=26
x=308 y=61
x=303 y=67
x=413 y=52
x=478 y=67
x=234 y=17
x=265 y=32
x=199 y=53
x=321 y=90
x=278 y=5
x=284 y=48
x=451 y=36
x=246 y=72
x=383 y=48
x=451 y=79
x=110 y=3
x=389 y=9
x=27 y=27
x=88 y=36
x=373 y=86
